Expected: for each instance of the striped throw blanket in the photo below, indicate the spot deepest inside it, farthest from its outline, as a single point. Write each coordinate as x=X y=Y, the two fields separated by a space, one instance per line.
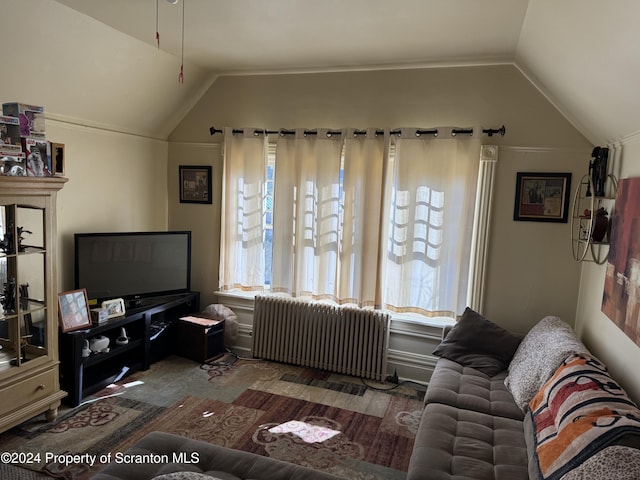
x=578 y=412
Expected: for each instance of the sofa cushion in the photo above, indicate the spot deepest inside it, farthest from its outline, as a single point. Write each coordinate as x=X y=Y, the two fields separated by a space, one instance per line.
x=477 y=342
x=453 y=443
x=538 y=356
x=465 y=387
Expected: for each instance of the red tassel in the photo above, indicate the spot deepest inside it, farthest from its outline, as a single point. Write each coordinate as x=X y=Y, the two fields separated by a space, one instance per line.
x=181 y=75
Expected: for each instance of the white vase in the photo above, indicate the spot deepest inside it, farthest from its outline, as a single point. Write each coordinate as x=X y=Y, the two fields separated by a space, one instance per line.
x=99 y=344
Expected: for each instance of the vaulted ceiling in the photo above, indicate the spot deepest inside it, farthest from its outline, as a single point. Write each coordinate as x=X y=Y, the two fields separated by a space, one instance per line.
x=583 y=55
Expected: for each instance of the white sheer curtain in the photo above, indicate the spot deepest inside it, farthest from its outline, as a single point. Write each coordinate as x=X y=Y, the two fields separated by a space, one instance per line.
x=429 y=229
x=306 y=215
x=391 y=227
x=242 y=263
x=365 y=158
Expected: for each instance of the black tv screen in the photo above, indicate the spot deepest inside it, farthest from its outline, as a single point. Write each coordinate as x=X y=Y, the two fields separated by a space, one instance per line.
x=132 y=265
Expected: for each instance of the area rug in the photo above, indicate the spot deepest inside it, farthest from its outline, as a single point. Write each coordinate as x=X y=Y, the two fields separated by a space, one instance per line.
x=309 y=417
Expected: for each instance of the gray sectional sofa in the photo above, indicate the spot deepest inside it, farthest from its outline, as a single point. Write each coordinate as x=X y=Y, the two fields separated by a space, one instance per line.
x=212 y=462
x=498 y=407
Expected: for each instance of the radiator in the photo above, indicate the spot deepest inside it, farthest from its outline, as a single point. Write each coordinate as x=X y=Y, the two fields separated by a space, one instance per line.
x=344 y=340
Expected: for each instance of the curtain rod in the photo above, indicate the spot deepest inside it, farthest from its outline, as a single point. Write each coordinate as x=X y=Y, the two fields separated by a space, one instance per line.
x=456 y=131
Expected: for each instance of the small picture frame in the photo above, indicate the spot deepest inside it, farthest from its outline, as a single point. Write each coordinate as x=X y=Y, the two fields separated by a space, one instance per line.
x=114 y=308
x=542 y=197
x=73 y=310
x=195 y=184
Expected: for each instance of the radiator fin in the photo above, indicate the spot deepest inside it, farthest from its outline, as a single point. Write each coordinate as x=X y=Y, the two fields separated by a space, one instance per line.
x=344 y=340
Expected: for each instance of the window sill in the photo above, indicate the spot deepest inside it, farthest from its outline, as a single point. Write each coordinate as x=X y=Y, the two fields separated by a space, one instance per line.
x=438 y=322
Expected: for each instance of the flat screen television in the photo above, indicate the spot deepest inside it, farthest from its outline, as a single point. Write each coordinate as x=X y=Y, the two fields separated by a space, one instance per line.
x=132 y=265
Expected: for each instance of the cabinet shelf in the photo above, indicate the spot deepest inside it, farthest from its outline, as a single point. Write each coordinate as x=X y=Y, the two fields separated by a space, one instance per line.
x=114 y=351
x=82 y=376
x=583 y=246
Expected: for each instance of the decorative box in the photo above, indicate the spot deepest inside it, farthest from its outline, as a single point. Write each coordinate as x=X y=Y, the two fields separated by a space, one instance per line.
x=99 y=315
x=38 y=154
x=13 y=165
x=31 y=118
x=9 y=136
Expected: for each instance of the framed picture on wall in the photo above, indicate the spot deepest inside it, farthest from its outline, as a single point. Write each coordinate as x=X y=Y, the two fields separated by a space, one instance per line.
x=195 y=183
x=542 y=197
x=621 y=294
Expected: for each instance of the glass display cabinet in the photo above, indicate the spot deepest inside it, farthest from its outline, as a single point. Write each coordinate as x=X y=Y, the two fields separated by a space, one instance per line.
x=29 y=378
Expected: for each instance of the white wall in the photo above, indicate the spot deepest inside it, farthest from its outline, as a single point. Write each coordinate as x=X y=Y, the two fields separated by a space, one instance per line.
x=79 y=68
x=596 y=330
x=531 y=270
x=112 y=100
x=117 y=182
x=530 y=273
x=203 y=220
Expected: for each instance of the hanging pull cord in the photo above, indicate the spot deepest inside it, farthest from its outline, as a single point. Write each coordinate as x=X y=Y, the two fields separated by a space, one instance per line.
x=157 y=29
x=181 y=74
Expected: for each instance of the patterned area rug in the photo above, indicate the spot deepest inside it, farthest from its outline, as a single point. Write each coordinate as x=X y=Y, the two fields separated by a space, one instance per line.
x=309 y=417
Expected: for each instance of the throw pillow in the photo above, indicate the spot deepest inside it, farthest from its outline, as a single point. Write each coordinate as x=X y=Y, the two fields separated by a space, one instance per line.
x=479 y=343
x=538 y=356
x=580 y=411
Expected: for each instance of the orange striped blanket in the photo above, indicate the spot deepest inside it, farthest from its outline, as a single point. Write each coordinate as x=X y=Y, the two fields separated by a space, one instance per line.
x=578 y=412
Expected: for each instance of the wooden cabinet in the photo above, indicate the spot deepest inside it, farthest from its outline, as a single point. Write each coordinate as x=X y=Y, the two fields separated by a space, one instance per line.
x=200 y=337
x=29 y=378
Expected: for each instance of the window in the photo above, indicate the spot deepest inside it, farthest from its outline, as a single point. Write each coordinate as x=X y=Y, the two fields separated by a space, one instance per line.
x=371 y=221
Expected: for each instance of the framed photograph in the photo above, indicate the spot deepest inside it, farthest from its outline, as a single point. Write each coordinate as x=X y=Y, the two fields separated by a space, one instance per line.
x=114 y=308
x=542 y=197
x=195 y=184
x=73 y=310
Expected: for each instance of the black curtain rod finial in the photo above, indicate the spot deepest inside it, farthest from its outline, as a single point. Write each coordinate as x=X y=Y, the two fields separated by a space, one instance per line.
x=500 y=131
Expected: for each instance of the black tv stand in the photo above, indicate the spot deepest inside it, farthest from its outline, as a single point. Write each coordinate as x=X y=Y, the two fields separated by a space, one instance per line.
x=134 y=303
x=151 y=329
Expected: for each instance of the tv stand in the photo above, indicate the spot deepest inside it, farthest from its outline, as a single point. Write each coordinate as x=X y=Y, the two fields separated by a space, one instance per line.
x=135 y=303
x=151 y=330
